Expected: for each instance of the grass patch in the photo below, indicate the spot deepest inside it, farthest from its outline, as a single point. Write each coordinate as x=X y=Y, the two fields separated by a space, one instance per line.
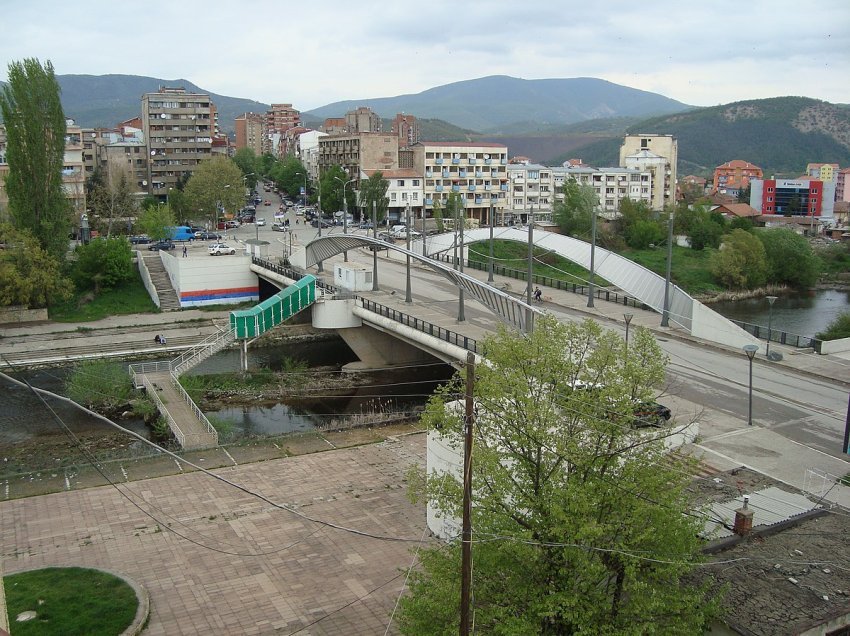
x=197 y=385
x=690 y=269
x=514 y=255
x=129 y=298
x=70 y=601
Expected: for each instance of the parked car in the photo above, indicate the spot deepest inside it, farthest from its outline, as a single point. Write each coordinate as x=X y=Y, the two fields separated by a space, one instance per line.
x=260 y=222
x=279 y=227
x=161 y=245
x=207 y=236
x=267 y=202
x=140 y=239
x=219 y=249
x=650 y=414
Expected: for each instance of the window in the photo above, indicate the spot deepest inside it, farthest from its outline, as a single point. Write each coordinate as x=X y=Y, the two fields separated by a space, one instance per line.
x=400 y=183
x=404 y=196
x=415 y=196
x=770 y=199
x=644 y=143
x=416 y=182
x=392 y=196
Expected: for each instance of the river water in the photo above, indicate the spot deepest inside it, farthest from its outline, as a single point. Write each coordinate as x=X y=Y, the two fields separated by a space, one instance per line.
x=804 y=313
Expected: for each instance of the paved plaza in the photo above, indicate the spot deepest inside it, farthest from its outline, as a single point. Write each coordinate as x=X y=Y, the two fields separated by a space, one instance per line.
x=245 y=567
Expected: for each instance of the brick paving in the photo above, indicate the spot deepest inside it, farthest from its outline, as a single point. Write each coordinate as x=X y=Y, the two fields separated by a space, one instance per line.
x=284 y=572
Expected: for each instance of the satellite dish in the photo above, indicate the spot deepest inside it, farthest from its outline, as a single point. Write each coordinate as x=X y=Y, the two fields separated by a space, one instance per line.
x=144 y=182
x=153 y=152
x=162 y=115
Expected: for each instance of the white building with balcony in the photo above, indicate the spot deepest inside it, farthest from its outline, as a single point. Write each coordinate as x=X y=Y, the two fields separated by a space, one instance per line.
x=612 y=185
x=477 y=171
x=405 y=191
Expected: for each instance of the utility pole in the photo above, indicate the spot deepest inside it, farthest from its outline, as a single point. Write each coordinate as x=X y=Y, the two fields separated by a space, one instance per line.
x=375 y=247
x=529 y=316
x=590 y=289
x=665 y=316
x=466 y=534
x=492 y=222
x=408 y=297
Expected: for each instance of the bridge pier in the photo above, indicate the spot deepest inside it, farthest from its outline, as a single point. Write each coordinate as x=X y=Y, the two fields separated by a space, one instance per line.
x=379 y=350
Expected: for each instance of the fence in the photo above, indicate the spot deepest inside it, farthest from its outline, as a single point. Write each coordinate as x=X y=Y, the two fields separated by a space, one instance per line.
x=465 y=342
x=782 y=337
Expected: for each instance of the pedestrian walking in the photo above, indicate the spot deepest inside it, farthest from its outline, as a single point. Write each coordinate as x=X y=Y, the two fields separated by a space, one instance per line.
x=185 y=252
x=538 y=295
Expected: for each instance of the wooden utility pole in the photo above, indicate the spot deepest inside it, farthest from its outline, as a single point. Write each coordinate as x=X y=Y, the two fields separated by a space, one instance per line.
x=466 y=536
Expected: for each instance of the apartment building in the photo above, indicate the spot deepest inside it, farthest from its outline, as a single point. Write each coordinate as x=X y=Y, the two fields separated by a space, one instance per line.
x=611 y=185
x=356 y=152
x=530 y=191
x=308 y=152
x=363 y=120
x=334 y=126
x=178 y=128
x=406 y=128
x=478 y=171
x=733 y=176
x=249 y=132
x=842 y=188
x=657 y=154
x=405 y=192
x=73 y=171
x=4 y=171
x=279 y=118
x=823 y=171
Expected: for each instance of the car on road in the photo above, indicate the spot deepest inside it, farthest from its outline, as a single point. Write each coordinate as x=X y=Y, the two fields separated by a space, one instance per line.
x=261 y=222
x=219 y=249
x=279 y=227
x=385 y=236
x=207 y=236
x=267 y=202
x=161 y=245
x=140 y=239
x=650 y=414
x=367 y=225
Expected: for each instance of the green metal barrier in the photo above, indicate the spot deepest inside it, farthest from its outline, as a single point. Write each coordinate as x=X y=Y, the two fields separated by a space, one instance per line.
x=250 y=323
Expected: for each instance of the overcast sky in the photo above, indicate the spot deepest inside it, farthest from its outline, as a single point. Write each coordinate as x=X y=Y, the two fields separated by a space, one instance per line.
x=313 y=53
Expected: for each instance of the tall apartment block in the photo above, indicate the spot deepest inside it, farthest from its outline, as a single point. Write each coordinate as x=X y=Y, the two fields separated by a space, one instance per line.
x=249 y=132
x=406 y=128
x=178 y=128
x=478 y=171
x=734 y=176
x=356 y=152
x=73 y=171
x=363 y=120
x=657 y=154
x=279 y=119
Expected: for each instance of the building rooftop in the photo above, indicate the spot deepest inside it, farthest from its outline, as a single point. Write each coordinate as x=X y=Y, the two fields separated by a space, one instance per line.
x=461 y=144
x=738 y=164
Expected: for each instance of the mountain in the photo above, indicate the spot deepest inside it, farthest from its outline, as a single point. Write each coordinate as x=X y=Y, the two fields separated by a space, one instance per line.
x=498 y=103
x=780 y=135
x=105 y=100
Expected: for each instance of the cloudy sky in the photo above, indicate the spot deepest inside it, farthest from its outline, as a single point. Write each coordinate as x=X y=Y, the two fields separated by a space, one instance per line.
x=314 y=53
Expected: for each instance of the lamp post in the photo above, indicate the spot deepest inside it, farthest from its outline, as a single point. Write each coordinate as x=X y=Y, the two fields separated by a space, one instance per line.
x=750 y=350
x=408 y=297
x=665 y=315
x=490 y=264
x=592 y=257
x=770 y=300
x=374 y=247
x=529 y=316
x=628 y=319
x=344 y=212
x=303 y=174
x=462 y=214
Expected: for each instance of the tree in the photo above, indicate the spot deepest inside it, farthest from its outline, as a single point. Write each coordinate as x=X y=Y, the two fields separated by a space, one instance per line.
x=289 y=175
x=330 y=189
x=437 y=214
x=110 y=197
x=573 y=214
x=35 y=151
x=740 y=263
x=215 y=186
x=29 y=276
x=744 y=194
x=790 y=259
x=702 y=227
x=636 y=219
x=247 y=161
x=157 y=221
x=580 y=526
x=374 y=191
x=103 y=264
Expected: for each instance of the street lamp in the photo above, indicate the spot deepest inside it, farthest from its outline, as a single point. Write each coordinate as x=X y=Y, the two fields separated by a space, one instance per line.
x=344 y=211
x=770 y=300
x=628 y=319
x=592 y=257
x=750 y=350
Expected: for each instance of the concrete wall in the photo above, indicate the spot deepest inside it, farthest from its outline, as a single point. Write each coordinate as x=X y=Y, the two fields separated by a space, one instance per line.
x=212 y=280
x=709 y=325
x=835 y=346
x=21 y=314
x=146 y=280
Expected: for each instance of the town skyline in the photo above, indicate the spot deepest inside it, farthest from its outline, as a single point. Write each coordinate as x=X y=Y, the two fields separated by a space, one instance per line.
x=705 y=56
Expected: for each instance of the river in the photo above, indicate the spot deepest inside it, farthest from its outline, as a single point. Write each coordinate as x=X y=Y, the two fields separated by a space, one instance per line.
x=804 y=313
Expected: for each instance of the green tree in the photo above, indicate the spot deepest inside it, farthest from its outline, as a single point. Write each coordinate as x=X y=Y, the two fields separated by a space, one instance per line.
x=215 y=185
x=741 y=262
x=330 y=189
x=29 y=275
x=790 y=259
x=744 y=194
x=634 y=223
x=374 y=191
x=702 y=227
x=35 y=151
x=103 y=264
x=110 y=197
x=157 y=221
x=99 y=384
x=642 y=234
x=289 y=174
x=248 y=163
x=580 y=526
x=437 y=214
x=574 y=214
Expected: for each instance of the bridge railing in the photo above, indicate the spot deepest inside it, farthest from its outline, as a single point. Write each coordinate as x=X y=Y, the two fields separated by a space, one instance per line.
x=175 y=381
x=548 y=281
x=782 y=337
x=446 y=335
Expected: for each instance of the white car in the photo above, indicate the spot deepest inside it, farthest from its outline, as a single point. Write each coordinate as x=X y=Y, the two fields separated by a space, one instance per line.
x=218 y=249
x=260 y=222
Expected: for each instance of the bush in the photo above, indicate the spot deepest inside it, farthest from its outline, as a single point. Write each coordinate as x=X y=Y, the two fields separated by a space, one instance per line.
x=642 y=234
x=741 y=261
x=99 y=384
x=103 y=264
x=790 y=259
x=838 y=328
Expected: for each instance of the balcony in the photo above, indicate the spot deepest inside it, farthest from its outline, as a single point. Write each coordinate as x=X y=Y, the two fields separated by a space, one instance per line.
x=488 y=187
x=428 y=174
x=438 y=188
x=471 y=187
x=462 y=174
x=445 y=174
x=456 y=160
x=438 y=161
x=479 y=174
x=455 y=188
x=503 y=187
x=504 y=162
x=479 y=200
x=472 y=161
x=488 y=161
x=429 y=201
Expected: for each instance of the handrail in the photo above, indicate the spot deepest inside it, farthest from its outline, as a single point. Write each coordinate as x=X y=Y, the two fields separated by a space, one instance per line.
x=175 y=380
x=172 y=423
x=777 y=335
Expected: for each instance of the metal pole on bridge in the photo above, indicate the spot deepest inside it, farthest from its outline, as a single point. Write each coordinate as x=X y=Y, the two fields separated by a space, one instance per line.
x=374 y=248
x=462 y=213
x=529 y=315
x=408 y=298
x=490 y=264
